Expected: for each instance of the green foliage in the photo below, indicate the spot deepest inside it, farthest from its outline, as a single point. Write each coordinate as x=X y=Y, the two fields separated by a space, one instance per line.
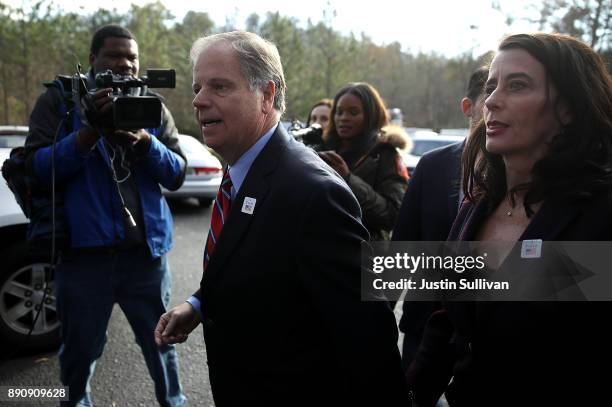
x=181 y=37
x=37 y=44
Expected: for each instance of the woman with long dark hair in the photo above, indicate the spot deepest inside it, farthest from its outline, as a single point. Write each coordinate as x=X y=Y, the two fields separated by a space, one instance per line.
x=538 y=168
x=370 y=165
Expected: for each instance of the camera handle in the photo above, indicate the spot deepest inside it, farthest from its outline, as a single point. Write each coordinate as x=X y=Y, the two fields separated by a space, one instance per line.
x=83 y=99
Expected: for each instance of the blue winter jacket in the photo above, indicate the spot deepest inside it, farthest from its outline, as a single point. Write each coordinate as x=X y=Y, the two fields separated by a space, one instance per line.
x=92 y=205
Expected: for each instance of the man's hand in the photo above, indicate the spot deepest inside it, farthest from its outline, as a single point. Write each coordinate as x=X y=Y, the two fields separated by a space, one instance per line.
x=139 y=139
x=96 y=105
x=335 y=161
x=102 y=100
x=100 y=103
x=175 y=325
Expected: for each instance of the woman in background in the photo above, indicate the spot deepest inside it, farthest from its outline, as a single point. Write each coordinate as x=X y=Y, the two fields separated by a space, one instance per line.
x=540 y=169
x=319 y=113
x=371 y=166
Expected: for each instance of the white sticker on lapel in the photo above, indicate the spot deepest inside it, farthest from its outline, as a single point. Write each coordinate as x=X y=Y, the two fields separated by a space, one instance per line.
x=249 y=205
x=531 y=249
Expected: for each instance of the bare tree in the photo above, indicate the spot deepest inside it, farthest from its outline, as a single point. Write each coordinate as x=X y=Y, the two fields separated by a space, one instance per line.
x=585 y=19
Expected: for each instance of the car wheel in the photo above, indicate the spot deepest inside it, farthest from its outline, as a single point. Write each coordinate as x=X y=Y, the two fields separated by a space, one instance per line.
x=22 y=288
x=205 y=201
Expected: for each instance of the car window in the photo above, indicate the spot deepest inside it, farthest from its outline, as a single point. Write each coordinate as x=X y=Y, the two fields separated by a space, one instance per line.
x=423 y=146
x=12 y=140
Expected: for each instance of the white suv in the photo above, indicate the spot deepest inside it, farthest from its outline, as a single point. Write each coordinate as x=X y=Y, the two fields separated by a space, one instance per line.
x=22 y=276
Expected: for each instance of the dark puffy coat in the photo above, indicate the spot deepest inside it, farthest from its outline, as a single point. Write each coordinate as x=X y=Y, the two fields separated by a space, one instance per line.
x=379 y=180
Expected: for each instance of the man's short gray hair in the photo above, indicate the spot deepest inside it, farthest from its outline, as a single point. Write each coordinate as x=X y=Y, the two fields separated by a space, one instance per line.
x=259 y=60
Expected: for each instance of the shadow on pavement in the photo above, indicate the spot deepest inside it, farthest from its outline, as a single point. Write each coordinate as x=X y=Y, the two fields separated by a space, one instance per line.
x=185 y=206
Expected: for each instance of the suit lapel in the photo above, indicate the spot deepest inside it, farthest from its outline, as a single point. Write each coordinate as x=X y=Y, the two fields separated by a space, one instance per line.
x=550 y=220
x=254 y=186
x=474 y=215
x=547 y=224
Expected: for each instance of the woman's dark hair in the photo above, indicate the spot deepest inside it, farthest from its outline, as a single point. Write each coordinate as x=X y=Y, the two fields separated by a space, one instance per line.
x=375 y=117
x=578 y=162
x=323 y=102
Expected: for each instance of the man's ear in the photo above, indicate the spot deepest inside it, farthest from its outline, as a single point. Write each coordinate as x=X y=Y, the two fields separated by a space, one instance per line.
x=466 y=107
x=268 y=97
x=92 y=58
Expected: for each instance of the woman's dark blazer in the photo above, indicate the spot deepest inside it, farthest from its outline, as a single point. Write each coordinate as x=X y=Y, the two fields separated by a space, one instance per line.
x=521 y=353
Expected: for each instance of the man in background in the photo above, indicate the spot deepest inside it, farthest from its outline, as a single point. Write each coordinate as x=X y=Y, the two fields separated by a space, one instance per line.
x=430 y=206
x=119 y=224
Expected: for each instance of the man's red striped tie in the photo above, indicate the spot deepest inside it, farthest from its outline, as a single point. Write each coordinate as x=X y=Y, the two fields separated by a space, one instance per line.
x=221 y=208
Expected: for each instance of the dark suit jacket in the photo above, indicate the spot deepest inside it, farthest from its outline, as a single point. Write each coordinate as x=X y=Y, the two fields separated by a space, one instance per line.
x=432 y=199
x=521 y=353
x=427 y=214
x=284 y=324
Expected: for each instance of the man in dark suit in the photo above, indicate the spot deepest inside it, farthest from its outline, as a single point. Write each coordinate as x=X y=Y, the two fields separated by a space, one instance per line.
x=430 y=207
x=280 y=295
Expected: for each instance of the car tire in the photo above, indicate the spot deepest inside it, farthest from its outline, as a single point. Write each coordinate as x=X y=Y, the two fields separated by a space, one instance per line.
x=204 y=202
x=22 y=283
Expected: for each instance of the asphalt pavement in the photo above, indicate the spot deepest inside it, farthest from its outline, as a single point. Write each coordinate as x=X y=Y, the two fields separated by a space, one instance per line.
x=121 y=377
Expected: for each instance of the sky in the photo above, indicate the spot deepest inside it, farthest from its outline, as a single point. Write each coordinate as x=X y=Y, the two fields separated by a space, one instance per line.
x=448 y=27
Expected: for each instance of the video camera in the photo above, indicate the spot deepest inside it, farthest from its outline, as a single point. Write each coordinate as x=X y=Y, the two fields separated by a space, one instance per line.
x=311 y=136
x=130 y=110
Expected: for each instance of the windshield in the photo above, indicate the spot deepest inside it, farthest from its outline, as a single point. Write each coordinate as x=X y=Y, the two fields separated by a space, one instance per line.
x=423 y=146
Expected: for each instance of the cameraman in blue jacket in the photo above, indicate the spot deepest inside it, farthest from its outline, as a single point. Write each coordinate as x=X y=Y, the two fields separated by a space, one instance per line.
x=119 y=224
